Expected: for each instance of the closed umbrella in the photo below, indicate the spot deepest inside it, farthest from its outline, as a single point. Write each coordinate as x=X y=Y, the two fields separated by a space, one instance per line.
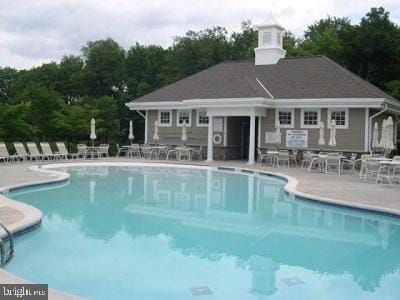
x=93 y=130
x=332 y=138
x=375 y=138
x=321 y=140
x=184 y=136
x=389 y=134
x=278 y=135
x=131 y=136
x=155 y=135
x=382 y=143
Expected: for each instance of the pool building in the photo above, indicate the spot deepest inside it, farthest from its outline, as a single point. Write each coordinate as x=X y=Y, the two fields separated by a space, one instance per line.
x=235 y=106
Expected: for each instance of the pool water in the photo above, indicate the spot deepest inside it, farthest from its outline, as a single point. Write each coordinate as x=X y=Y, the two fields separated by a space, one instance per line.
x=179 y=233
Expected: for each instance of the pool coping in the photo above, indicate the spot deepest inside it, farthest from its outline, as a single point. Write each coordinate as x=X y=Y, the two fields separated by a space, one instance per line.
x=32 y=215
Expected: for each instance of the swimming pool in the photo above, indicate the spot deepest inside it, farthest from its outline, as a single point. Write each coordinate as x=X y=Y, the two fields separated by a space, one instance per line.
x=161 y=232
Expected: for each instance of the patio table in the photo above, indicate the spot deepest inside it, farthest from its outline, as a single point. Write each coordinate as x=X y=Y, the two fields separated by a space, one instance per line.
x=324 y=157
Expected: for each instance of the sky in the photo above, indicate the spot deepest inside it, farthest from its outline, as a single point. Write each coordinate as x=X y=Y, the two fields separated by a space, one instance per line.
x=33 y=32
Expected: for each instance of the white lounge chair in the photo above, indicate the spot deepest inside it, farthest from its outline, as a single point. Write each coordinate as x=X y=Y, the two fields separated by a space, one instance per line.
x=21 y=151
x=63 y=151
x=5 y=156
x=47 y=152
x=34 y=152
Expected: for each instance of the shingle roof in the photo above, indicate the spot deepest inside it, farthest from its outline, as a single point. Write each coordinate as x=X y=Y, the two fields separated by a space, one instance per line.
x=290 y=78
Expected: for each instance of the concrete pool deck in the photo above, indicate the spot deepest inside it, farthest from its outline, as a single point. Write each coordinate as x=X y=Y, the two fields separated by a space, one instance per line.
x=346 y=189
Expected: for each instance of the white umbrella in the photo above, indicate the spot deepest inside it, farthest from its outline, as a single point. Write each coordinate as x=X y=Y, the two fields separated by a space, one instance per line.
x=184 y=136
x=155 y=135
x=332 y=138
x=131 y=136
x=321 y=141
x=93 y=130
x=382 y=143
x=389 y=134
x=375 y=136
x=278 y=134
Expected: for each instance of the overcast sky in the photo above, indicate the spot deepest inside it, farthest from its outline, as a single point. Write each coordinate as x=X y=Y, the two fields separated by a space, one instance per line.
x=37 y=31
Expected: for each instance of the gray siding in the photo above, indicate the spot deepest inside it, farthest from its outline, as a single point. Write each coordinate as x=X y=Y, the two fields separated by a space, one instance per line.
x=172 y=135
x=351 y=139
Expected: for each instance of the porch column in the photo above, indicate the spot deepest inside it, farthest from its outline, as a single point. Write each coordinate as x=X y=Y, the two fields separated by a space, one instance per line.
x=252 y=142
x=210 y=139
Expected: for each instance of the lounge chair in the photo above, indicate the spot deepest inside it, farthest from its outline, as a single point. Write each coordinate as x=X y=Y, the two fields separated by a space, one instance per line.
x=47 y=152
x=34 y=152
x=21 y=151
x=5 y=156
x=63 y=151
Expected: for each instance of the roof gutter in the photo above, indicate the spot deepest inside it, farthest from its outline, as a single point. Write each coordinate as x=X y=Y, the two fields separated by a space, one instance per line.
x=385 y=108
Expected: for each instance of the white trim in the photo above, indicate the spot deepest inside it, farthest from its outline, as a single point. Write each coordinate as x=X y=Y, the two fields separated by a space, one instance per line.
x=266 y=102
x=366 y=130
x=159 y=118
x=346 y=121
x=259 y=132
x=265 y=89
x=189 y=124
x=302 y=125
x=146 y=121
x=277 y=123
x=197 y=117
x=225 y=131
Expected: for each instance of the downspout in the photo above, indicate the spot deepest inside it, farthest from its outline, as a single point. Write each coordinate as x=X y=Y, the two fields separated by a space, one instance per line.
x=385 y=108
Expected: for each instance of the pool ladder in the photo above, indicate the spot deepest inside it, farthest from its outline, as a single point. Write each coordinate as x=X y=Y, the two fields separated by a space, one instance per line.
x=6 y=253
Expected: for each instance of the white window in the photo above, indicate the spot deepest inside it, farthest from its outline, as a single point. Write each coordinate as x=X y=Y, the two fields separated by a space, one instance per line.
x=266 y=38
x=183 y=115
x=278 y=38
x=340 y=115
x=164 y=118
x=202 y=118
x=310 y=117
x=284 y=118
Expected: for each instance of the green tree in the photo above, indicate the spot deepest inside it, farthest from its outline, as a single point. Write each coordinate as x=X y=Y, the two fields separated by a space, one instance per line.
x=71 y=75
x=104 y=67
x=8 y=79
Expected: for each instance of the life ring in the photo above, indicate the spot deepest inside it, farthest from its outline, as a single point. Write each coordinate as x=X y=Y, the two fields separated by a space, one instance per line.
x=217 y=138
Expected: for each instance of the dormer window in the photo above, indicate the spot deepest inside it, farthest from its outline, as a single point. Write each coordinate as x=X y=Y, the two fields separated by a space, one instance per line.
x=278 y=38
x=266 y=38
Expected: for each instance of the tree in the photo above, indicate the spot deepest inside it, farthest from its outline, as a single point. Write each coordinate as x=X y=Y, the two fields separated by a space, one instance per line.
x=8 y=79
x=71 y=74
x=105 y=67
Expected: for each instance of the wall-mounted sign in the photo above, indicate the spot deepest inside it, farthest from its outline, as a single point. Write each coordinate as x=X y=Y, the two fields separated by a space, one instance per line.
x=270 y=137
x=297 y=138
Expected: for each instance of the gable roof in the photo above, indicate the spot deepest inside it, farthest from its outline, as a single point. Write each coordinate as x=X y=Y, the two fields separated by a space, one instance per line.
x=291 y=78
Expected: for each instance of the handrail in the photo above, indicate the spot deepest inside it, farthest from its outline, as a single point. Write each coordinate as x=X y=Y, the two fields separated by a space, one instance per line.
x=6 y=256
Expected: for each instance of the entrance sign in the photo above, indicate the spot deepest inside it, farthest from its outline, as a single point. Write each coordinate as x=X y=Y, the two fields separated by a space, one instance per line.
x=297 y=138
x=270 y=137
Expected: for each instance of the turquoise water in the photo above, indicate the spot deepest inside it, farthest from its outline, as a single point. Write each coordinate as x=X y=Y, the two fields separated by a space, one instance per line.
x=162 y=233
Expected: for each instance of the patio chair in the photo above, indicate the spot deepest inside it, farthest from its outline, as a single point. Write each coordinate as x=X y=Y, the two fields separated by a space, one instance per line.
x=197 y=152
x=147 y=152
x=307 y=158
x=34 y=152
x=46 y=150
x=282 y=157
x=371 y=170
x=172 y=153
x=333 y=161
x=63 y=151
x=121 y=150
x=21 y=151
x=185 y=153
x=81 y=150
x=5 y=156
x=134 y=151
x=103 y=150
x=293 y=156
x=350 y=163
x=363 y=168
